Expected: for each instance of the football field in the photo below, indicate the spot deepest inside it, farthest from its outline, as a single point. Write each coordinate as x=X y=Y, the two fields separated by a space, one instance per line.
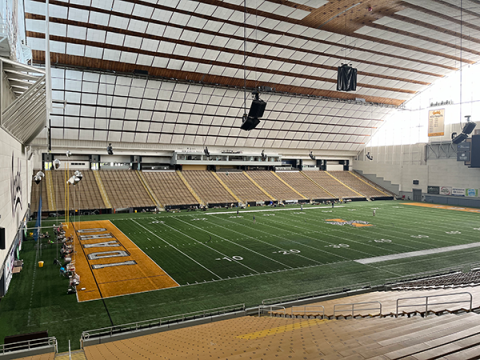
x=204 y=247
x=220 y=258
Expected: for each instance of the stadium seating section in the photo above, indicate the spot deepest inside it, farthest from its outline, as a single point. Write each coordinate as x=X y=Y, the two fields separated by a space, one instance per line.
x=85 y=195
x=207 y=187
x=304 y=185
x=272 y=185
x=125 y=189
x=309 y=337
x=242 y=187
x=355 y=183
x=332 y=185
x=169 y=188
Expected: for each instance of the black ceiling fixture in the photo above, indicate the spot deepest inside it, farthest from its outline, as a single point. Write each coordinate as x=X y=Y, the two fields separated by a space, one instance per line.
x=311 y=155
x=110 y=149
x=250 y=121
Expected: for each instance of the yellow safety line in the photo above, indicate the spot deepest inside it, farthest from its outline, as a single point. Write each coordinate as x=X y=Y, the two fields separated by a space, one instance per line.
x=225 y=186
x=279 y=178
x=148 y=189
x=320 y=186
x=348 y=187
x=255 y=183
x=50 y=191
x=101 y=188
x=280 y=329
x=200 y=201
x=359 y=178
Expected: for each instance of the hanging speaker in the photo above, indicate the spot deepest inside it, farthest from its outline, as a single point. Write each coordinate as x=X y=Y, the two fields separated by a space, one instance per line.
x=2 y=238
x=459 y=138
x=346 y=78
x=257 y=109
x=249 y=123
x=468 y=127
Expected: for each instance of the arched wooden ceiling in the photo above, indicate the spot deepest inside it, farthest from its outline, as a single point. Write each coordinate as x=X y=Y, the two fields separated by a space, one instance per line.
x=399 y=48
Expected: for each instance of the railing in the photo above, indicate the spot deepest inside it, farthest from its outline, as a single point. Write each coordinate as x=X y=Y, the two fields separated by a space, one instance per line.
x=315 y=293
x=351 y=307
x=263 y=308
x=159 y=322
x=7 y=349
x=427 y=304
x=308 y=307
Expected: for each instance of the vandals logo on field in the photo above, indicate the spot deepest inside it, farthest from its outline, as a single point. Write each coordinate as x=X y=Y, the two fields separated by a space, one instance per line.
x=15 y=186
x=355 y=223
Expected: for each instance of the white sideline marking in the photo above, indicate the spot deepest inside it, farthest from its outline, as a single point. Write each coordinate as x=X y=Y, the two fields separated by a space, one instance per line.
x=417 y=253
x=289 y=209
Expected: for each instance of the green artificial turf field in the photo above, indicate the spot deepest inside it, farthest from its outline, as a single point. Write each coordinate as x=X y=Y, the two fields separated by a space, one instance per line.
x=221 y=259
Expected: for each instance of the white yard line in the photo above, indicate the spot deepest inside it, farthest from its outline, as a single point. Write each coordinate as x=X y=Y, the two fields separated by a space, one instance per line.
x=246 y=248
x=416 y=253
x=219 y=252
x=180 y=251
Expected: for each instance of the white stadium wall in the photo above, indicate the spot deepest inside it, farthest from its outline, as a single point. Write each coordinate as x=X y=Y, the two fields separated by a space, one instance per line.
x=15 y=189
x=403 y=164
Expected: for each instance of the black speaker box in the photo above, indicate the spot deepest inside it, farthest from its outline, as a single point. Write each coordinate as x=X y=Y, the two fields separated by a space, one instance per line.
x=249 y=123
x=459 y=138
x=2 y=238
x=346 y=78
x=257 y=109
x=468 y=127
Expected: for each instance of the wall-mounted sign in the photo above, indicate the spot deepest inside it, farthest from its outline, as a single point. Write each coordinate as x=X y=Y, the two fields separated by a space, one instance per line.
x=436 y=120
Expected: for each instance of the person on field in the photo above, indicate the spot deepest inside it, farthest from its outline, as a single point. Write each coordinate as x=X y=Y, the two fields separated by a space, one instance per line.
x=254 y=219
x=374 y=212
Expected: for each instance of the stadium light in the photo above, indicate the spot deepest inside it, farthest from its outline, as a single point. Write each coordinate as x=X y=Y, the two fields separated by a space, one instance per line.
x=369 y=157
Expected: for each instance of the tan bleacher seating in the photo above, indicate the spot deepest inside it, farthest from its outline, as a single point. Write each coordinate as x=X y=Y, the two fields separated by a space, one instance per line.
x=242 y=187
x=331 y=185
x=350 y=180
x=50 y=356
x=85 y=195
x=374 y=184
x=207 y=187
x=266 y=337
x=124 y=189
x=303 y=185
x=272 y=185
x=36 y=194
x=169 y=188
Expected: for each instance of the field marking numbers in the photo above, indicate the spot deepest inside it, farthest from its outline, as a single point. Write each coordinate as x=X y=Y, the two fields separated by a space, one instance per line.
x=199 y=219
x=381 y=241
x=233 y=258
x=419 y=236
x=452 y=232
x=157 y=222
x=210 y=271
x=287 y=252
x=338 y=246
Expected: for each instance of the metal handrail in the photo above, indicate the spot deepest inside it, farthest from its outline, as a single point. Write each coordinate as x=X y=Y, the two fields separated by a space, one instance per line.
x=271 y=307
x=427 y=297
x=158 y=322
x=309 y=307
x=352 y=306
x=315 y=293
x=28 y=345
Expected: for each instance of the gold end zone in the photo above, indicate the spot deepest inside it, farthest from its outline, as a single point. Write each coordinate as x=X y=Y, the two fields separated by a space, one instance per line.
x=107 y=271
x=445 y=207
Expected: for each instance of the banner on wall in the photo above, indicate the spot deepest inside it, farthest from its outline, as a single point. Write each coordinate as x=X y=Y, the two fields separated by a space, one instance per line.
x=445 y=190
x=471 y=192
x=434 y=190
x=436 y=119
x=458 y=191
